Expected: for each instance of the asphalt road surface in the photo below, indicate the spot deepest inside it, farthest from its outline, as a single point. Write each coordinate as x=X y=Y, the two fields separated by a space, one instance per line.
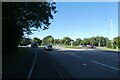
x=65 y=63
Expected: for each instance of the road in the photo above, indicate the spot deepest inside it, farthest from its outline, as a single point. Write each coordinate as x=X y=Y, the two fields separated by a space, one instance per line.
x=65 y=63
x=91 y=63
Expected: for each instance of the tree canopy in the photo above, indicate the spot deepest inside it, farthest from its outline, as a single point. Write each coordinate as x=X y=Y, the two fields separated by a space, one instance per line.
x=24 y=17
x=66 y=40
x=48 y=40
x=29 y=15
x=95 y=41
x=116 y=41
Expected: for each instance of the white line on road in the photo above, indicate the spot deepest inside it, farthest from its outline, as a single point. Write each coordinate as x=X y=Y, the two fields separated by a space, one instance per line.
x=76 y=56
x=105 y=65
x=31 y=70
x=98 y=63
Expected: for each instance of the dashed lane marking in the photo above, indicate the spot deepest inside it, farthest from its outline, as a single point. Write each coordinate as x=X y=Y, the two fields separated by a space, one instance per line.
x=98 y=63
x=105 y=65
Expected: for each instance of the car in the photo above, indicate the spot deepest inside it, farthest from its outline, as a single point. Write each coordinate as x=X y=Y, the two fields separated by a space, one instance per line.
x=90 y=46
x=48 y=47
x=34 y=45
x=81 y=46
x=29 y=45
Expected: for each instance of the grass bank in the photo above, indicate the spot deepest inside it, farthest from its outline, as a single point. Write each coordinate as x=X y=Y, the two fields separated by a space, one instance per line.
x=69 y=46
x=9 y=60
x=41 y=46
x=105 y=48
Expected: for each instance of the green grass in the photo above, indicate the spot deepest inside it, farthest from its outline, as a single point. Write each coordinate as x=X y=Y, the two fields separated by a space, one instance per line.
x=104 y=48
x=69 y=46
x=41 y=46
x=13 y=59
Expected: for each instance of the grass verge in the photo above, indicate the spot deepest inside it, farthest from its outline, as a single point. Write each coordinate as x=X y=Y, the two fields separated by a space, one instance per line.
x=74 y=47
x=41 y=46
x=104 y=48
x=9 y=60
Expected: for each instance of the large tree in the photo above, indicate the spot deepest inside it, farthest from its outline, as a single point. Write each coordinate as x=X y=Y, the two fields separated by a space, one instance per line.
x=56 y=41
x=66 y=40
x=98 y=40
x=77 y=41
x=48 y=40
x=116 y=42
x=24 y=17
x=86 y=41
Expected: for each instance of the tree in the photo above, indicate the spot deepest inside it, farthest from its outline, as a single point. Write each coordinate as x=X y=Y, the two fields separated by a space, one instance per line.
x=100 y=40
x=48 y=40
x=25 y=17
x=77 y=42
x=56 y=41
x=116 y=42
x=86 y=41
x=60 y=41
x=66 y=40
x=109 y=44
x=103 y=41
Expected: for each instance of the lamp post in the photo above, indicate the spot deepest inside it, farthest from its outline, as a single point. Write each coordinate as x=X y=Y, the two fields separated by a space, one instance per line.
x=111 y=26
x=111 y=23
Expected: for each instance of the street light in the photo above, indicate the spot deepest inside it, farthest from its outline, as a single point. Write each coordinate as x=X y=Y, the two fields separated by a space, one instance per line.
x=111 y=23
x=111 y=26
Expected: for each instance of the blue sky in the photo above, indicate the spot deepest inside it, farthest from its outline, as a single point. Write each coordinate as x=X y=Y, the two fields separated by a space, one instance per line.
x=82 y=20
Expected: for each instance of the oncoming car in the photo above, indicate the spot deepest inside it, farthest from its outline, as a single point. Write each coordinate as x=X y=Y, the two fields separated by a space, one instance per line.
x=34 y=45
x=48 y=47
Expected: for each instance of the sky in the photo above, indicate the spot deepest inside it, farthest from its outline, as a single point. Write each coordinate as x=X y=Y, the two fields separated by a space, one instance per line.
x=83 y=20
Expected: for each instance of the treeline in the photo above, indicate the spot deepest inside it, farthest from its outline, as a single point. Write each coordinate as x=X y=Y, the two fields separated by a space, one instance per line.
x=95 y=41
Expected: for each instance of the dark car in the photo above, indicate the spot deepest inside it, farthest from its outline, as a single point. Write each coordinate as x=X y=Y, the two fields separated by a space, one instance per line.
x=34 y=45
x=48 y=48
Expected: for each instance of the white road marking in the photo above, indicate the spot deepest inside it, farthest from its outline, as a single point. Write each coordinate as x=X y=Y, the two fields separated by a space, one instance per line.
x=75 y=55
x=98 y=63
x=84 y=64
x=31 y=70
x=105 y=65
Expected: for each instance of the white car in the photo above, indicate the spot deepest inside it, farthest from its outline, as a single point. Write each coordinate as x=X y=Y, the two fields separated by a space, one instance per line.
x=81 y=46
x=29 y=45
x=48 y=48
